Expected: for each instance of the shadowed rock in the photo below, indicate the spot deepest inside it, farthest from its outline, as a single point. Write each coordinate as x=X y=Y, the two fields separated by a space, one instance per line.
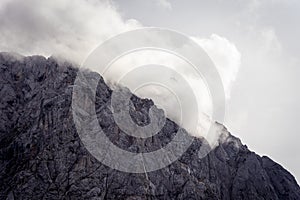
x=42 y=156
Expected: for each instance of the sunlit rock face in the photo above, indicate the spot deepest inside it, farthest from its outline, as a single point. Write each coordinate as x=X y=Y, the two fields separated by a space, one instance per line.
x=42 y=156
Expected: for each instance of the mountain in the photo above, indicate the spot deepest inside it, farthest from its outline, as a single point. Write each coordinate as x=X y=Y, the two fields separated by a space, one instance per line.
x=42 y=156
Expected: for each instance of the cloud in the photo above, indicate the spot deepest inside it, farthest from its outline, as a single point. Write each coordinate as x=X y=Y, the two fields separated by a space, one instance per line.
x=270 y=42
x=69 y=28
x=222 y=52
x=73 y=28
x=225 y=56
x=164 y=4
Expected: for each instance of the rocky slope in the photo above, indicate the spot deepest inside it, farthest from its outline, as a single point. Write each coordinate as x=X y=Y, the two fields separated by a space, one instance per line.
x=42 y=156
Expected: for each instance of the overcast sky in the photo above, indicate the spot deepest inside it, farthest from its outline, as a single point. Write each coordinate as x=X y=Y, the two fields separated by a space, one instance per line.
x=253 y=43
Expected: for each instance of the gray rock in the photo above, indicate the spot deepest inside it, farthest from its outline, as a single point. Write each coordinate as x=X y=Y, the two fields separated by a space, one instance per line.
x=42 y=156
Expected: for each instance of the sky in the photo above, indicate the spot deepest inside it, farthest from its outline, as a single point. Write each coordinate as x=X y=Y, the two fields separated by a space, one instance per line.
x=253 y=44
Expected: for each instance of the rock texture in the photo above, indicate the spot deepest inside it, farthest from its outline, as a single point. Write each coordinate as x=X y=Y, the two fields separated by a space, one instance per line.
x=42 y=157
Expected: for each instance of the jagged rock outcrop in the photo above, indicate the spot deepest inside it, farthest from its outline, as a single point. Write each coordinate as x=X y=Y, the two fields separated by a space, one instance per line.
x=42 y=156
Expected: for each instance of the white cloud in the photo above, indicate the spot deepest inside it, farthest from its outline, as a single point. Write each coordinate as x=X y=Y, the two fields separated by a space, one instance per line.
x=225 y=56
x=164 y=4
x=222 y=52
x=269 y=41
x=73 y=28
x=69 y=28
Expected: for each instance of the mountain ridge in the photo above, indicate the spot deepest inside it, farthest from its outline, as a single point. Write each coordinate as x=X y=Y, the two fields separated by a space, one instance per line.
x=42 y=157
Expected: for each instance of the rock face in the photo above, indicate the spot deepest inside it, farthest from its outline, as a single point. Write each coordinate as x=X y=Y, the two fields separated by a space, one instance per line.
x=42 y=156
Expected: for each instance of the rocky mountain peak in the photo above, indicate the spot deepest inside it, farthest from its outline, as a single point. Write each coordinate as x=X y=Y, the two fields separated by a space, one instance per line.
x=42 y=156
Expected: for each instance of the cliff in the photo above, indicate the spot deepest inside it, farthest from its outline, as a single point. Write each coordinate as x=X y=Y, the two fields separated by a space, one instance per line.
x=42 y=156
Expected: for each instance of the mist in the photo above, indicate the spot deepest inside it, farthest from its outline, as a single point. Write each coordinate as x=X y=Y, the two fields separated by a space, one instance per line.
x=73 y=29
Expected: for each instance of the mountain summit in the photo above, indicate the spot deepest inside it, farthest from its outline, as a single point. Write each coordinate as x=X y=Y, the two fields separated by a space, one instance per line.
x=42 y=156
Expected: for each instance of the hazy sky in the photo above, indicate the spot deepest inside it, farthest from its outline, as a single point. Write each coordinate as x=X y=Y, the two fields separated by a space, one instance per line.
x=253 y=43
